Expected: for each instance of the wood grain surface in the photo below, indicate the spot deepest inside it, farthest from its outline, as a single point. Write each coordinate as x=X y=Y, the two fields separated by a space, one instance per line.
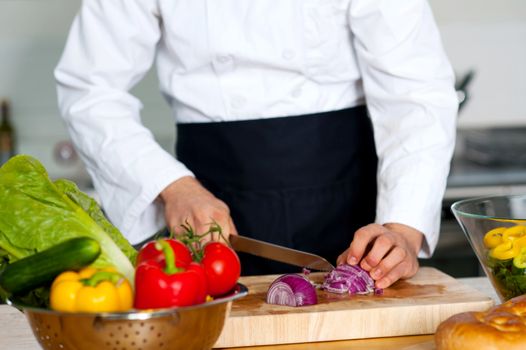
x=410 y=307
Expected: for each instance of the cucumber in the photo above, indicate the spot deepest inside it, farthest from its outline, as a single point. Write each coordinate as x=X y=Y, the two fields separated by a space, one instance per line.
x=41 y=268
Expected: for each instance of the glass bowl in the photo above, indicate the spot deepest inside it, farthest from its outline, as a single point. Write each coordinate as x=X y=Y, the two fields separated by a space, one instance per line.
x=191 y=328
x=496 y=229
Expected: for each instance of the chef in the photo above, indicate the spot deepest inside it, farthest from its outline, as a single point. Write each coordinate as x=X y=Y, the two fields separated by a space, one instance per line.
x=323 y=125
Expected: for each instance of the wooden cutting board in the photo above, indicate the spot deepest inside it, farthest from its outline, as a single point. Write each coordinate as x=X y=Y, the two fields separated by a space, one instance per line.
x=409 y=307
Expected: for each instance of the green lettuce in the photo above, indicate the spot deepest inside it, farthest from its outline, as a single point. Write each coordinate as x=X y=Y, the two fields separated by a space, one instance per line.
x=37 y=213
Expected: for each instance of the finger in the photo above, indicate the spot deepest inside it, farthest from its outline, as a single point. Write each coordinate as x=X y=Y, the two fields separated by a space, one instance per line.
x=191 y=223
x=342 y=258
x=232 y=227
x=392 y=276
x=362 y=238
x=204 y=222
x=394 y=258
x=225 y=224
x=382 y=245
x=176 y=224
x=364 y=265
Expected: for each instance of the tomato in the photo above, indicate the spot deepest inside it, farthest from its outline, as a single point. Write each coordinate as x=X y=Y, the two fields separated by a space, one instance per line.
x=222 y=268
x=149 y=251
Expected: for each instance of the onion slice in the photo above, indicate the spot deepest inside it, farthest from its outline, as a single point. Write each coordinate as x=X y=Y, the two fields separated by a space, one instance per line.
x=350 y=279
x=292 y=290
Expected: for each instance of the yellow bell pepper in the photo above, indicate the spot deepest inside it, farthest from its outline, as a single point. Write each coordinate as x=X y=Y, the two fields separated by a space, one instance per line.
x=494 y=237
x=91 y=290
x=504 y=251
x=520 y=242
x=514 y=232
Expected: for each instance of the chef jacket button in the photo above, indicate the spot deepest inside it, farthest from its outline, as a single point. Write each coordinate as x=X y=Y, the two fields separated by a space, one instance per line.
x=224 y=59
x=288 y=54
x=238 y=102
x=296 y=92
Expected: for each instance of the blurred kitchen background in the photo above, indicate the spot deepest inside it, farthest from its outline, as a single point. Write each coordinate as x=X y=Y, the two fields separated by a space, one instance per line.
x=485 y=40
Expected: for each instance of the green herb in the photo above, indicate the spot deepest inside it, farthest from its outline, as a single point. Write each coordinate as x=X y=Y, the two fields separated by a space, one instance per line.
x=36 y=213
x=510 y=280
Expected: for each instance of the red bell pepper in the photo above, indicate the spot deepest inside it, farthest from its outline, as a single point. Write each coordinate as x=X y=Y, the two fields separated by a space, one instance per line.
x=159 y=283
x=151 y=251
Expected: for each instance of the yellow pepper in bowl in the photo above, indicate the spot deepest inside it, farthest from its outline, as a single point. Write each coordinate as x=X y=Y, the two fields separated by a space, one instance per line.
x=504 y=251
x=494 y=237
x=91 y=290
x=505 y=243
x=514 y=233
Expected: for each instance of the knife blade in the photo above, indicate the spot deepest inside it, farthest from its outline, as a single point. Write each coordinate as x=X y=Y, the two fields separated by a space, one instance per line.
x=279 y=253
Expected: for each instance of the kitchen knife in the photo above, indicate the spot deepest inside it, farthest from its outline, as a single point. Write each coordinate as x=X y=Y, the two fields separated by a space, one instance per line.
x=279 y=253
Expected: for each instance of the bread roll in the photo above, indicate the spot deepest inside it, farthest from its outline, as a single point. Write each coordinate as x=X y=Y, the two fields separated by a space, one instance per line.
x=501 y=327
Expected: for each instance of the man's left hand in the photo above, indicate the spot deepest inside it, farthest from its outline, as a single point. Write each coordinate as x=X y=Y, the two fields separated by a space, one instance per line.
x=389 y=252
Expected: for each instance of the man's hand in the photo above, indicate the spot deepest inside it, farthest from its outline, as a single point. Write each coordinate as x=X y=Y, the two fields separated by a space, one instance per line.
x=389 y=252
x=187 y=201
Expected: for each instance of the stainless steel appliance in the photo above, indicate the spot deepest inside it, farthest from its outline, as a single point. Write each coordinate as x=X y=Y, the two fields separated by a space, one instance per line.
x=470 y=177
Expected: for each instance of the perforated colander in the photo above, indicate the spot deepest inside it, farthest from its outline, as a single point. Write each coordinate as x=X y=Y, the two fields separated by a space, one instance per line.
x=195 y=327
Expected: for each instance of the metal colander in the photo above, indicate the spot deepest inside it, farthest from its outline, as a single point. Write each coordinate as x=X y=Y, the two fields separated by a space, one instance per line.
x=195 y=327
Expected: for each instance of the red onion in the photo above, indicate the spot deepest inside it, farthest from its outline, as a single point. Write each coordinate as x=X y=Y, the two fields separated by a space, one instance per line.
x=350 y=279
x=292 y=290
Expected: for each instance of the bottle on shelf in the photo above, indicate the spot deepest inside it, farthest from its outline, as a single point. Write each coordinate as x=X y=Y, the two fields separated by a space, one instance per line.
x=7 y=133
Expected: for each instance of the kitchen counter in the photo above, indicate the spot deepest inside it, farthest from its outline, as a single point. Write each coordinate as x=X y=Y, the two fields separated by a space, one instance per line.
x=15 y=333
x=469 y=179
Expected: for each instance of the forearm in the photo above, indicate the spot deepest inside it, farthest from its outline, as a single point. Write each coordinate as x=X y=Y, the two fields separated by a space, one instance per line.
x=108 y=51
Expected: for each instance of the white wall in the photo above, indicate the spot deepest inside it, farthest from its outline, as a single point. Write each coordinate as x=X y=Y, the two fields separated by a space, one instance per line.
x=32 y=36
x=489 y=36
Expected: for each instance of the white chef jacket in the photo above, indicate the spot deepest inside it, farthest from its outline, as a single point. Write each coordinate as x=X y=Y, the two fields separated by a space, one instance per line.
x=225 y=60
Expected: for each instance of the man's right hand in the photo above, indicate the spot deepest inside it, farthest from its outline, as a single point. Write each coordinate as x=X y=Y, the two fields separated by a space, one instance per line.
x=187 y=201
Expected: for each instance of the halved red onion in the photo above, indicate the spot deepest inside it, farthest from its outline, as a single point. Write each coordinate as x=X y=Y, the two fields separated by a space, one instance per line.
x=292 y=290
x=350 y=279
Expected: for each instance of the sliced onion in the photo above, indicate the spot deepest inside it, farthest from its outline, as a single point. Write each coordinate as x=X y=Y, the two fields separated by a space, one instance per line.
x=292 y=290
x=350 y=279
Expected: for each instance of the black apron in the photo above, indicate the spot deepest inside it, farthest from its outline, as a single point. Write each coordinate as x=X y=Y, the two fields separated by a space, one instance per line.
x=305 y=182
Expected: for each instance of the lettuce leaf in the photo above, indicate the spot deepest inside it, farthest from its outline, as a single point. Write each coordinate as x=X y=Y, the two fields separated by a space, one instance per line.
x=95 y=212
x=37 y=213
